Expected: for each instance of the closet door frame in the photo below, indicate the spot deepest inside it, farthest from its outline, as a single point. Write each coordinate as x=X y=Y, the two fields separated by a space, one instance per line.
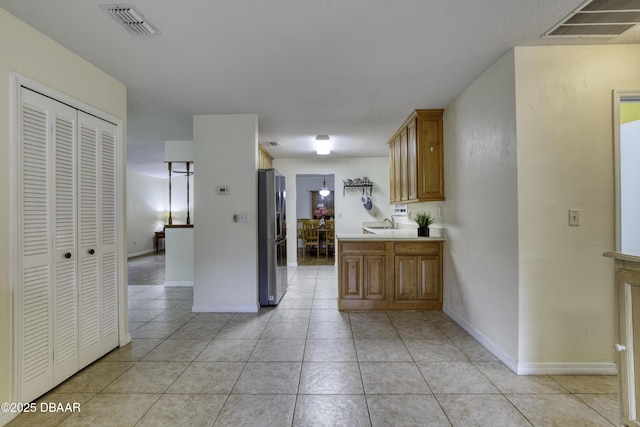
x=19 y=81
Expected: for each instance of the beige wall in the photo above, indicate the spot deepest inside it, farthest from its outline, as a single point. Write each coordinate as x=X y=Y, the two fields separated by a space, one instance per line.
x=33 y=55
x=481 y=210
x=565 y=160
x=527 y=141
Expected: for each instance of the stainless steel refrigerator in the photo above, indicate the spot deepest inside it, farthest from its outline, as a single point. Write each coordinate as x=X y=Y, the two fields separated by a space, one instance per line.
x=272 y=236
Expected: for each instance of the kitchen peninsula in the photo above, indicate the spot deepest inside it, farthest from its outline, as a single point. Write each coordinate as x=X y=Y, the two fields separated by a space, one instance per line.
x=389 y=269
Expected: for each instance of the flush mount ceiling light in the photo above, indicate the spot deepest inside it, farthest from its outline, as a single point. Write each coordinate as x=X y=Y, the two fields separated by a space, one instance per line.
x=132 y=20
x=598 y=18
x=323 y=145
x=324 y=191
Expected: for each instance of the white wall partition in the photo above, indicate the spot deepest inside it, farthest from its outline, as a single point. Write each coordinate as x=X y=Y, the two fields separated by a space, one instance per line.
x=481 y=263
x=226 y=252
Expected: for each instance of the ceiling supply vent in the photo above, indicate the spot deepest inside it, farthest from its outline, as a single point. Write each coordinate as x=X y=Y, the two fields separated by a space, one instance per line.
x=274 y=144
x=132 y=20
x=598 y=18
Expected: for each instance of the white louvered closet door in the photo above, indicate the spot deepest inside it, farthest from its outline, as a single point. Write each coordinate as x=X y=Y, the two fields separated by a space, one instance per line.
x=67 y=313
x=65 y=295
x=98 y=305
x=108 y=238
x=48 y=292
x=35 y=349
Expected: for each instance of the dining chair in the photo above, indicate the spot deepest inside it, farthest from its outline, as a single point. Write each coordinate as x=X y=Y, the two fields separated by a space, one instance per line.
x=310 y=236
x=330 y=238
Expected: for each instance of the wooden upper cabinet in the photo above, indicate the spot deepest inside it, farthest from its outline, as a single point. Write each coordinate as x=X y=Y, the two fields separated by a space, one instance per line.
x=416 y=159
x=265 y=161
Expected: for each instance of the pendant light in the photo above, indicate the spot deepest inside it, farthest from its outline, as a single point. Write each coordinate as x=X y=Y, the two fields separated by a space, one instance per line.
x=324 y=191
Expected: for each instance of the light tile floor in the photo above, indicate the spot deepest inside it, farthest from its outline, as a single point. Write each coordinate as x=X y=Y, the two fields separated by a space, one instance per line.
x=306 y=364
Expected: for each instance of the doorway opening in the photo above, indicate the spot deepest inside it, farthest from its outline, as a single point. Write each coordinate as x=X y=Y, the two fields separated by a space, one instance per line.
x=313 y=209
x=627 y=157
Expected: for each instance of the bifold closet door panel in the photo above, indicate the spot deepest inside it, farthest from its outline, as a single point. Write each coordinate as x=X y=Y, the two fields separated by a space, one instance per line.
x=98 y=305
x=109 y=237
x=88 y=251
x=65 y=295
x=35 y=332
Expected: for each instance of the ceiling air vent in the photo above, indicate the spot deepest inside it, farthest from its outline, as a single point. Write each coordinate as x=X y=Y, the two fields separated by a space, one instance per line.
x=599 y=18
x=274 y=144
x=132 y=20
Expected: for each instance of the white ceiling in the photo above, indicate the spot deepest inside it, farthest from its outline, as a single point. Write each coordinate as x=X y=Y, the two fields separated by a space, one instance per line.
x=352 y=69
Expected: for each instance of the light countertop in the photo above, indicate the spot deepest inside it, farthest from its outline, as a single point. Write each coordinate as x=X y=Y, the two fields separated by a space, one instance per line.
x=403 y=233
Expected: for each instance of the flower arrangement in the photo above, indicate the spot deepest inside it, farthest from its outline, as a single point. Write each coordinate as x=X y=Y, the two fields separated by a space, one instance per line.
x=424 y=219
x=320 y=212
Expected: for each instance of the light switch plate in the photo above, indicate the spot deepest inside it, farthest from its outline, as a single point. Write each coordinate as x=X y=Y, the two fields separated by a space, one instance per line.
x=574 y=217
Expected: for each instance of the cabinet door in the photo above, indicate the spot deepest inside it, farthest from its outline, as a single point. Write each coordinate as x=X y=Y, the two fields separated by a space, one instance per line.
x=429 y=277
x=430 y=167
x=374 y=277
x=412 y=162
x=351 y=271
x=406 y=278
x=628 y=284
x=397 y=171
x=404 y=166
x=392 y=173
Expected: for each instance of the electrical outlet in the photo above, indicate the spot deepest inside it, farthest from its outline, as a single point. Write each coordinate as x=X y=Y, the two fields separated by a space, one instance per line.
x=574 y=217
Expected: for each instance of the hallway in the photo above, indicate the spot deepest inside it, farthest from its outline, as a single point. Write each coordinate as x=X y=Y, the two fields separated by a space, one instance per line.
x=305 y=363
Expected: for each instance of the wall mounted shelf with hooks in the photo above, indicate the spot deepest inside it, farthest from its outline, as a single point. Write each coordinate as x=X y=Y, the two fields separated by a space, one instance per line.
x=366 y=188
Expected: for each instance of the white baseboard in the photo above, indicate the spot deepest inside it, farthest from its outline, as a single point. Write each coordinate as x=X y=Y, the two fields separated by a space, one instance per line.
x=486 y=342
x=5 y=417
x=567 y=369
x=125 y=340
x=576 y=368
x=178 y=283
x=225 y=308
x=131 y=255
x=292 y=264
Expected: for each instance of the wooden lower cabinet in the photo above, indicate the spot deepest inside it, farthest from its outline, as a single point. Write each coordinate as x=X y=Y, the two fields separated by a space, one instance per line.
x=416 y=278
x=390 y=275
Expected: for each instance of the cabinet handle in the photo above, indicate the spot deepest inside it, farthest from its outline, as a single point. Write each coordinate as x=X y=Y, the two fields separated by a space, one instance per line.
x=620 y=347
x=91 y=251
x=67 y=255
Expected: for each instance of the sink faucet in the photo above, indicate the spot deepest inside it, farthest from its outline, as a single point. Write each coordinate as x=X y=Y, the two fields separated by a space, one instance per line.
x=391 y=221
